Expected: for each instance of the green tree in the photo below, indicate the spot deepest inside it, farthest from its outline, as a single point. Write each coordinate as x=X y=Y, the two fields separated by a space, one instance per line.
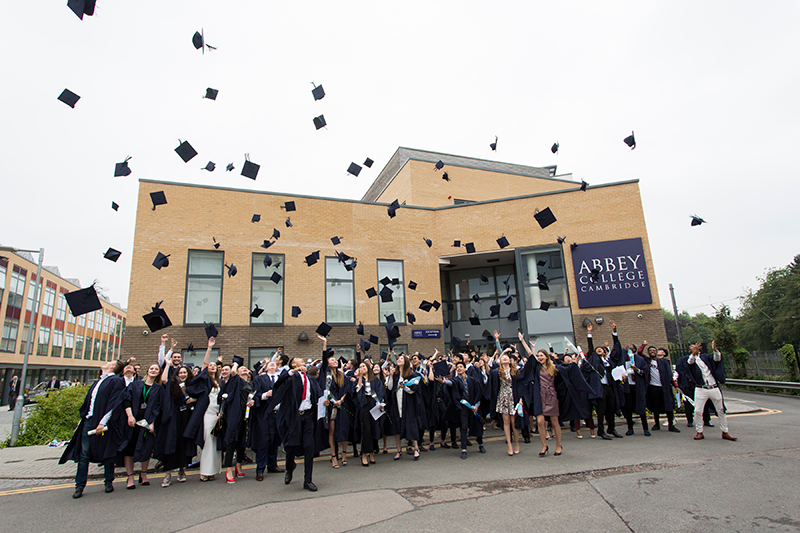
x=53 y=417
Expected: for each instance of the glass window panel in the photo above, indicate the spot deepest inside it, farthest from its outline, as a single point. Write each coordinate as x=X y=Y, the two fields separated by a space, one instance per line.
x=259 y=354
x=89 y=320
x=78 y=346
x=339 y=296
x=265 y=293
x=556 y=294
x=196 y=357
x=44 y=340
x=205 y=263
x=61 y=310
x=69 y=344
x=204 y=287
x=49 y=301
x=392 y=269
x=8 y=343
x=58 y=341
x=398 y=349
x=16 y=290
x=2 y=281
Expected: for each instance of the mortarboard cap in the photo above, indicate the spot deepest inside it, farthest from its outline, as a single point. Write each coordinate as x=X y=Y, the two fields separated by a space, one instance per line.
x=157 y=319
x=475 y=321
x=351 y=266
x=336 y=241
x=412 y=285
x=595 y=275
x=365 y=345
x=115 y=206
x=493 y=145
x=289 y=206
x=455 y=341
x=216 y=244
x=312 y=258
x=69 y=98
x=373 y=339
x=513 y=317
x=237 y=360
x=354 y=169
x=229 y=167
x=544 y=306
x=573 y=246
x=211 y=330
x=122 y=169
x=390 y=319
x=436 y=305
x=323 y=329
x=288 y=222
x=544 y=286
x=393 y=207
x=445 y=177
x=541 y=263
x=190 y=348
x=360 y=329
x=428 y=241
x=371 y=292
x=161 y=261
x=112 y=254
x=276 y=278
x=411 y=318
x=456 y=244
x=319 y=122
x=296 y=311
x=476 y=297
x=502 y=242
x=185 y=151
x=554 y=148
x=583 y=185
x=395 y=281
x=158 y=198
x=494 y=310
x=276 y=234
x=439 y=165
x=441 y=368
x=210 y=166
x=484 y=279
x=250 y=169
x=470 y=246
x=561 y=240
x=266 y=244
x=368 y=163
x=508 y=299
x=256 y=218
x=386 y=280
x=197 y=40
x=386 y=295
x=630 y=140
x=446 y=323
x=487 y=334
x=83 y=301
x=544 y=217
x=255 y=313
x=232 y=270
x=426 y=306
x=267 y=260
x=696 y=220
x=211 y=94
x=82 y=7
x=318 y=92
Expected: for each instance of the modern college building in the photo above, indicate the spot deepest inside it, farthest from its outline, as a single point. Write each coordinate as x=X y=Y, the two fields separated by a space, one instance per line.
x=63 y=346
x=205 y=230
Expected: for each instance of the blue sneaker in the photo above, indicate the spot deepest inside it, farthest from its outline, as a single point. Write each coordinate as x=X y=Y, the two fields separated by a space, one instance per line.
x=646 y=433
x=629 y=432
x=463 y=455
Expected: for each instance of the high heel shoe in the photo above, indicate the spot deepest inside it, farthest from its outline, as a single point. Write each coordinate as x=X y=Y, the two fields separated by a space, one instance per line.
x=344 y=458
x=372 y=459
x=555 y=454
x=333 y=462
x=238 y=472
x=144 y=483
x=131 y=483
x=544 y=453
x=230 y=480
x=364 y=458
x=416 y=453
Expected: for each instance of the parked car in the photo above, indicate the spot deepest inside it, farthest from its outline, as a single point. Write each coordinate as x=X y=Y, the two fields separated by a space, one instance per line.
x=40 y=391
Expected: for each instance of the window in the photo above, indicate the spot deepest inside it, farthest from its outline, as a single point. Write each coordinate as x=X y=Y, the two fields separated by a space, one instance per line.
x=69 y=344
x=463 y=285
x=44 y=340
x=16 y=290
x=394 y=271
x=61 y=310
x=195 y=357
x=339 y=296
x=557 y=293
x=81 y=320
x=31 y=286
x=2 y=279
x=103 y=351
x=204 y=287
x=23 y=345
x=8 y=343
x=98 y=323
x=265 y=293
x=79 y=346
x=96 y=351
x=113 y=326
x=49 y=301
x=259 y=354
x=106 y=320
x=58 y=342
x=348 y=352
x=89 y=320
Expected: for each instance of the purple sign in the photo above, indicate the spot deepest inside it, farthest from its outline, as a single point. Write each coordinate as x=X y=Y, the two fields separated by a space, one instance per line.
x=611 y=273
x=425 y=334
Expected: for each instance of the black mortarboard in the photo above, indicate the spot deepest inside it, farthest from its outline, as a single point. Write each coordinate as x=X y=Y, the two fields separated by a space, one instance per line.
x=446 y=324
x=630 y=140
x=374 y=339
x=365 y=345
x=494 y=310
x=541 y=276
x=197 y=40
x=544 y=306
x=386 y=280
x=544 y=286
x=190 y=348
x=289 y=206
x=122 y=169
x=288 y=222
x=441 y=368
x=371 y=292
x=229 y=167
x=508 y=299
x=455 y=342
x=296 y=311
x=411 y=318
x=390 y=319
x=312 y=258
x=237 y=360
x=445 y=177
x=158 y=198
x=476 y=297
x=210 y=166
x=393 y=207
x=82 y=7
x=216 y=244
x=211 y=330
x=561 y=240
x=336 y=240
x=368 y=163
x=456 y=244
x=484 y=279
x=323 y=329
x=276 y=234
x=351 y=266
x=541 y=263
x=250 y=169
x=161 y=260
x=341 y=256
x=502 y=242
x=493 y=145
x=112 y=254
x=583 y=185
x=428 y=241
x=232 y=270
x=256 y=218
x=696 y=220
x=276 y=278
x=436 y=305
x=554 y=148
x=266 y=244
x=475 y=321
x=488 y=335
x=426 y=306
x=69 y=98
x=318 y=92
x=386 y=295
x=354 y=169
x=544 y=217
x=470 y=246
x=595 y=275
x=360 y=329
x=412 y=285
x=185 y=151
x=513 y=317
x=157 y=319
x=384 y=355
x=255 y=313
x=267 y=260
x=395 y=281
x=439 y=165
x=573 y=246
x=114 y=206
x=319 y=122
x=83 y=301
x=211 y=94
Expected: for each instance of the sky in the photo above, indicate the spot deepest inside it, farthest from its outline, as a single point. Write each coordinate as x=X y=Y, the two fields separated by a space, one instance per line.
x=710 y=89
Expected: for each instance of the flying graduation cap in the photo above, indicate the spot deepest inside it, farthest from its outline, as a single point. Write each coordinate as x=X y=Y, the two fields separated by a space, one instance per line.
x=583 y=185
x=494 y=310
x=266 y=244
x=232 y=270
x=319 y=122
x=393 y=207
x=122 y=169
x=161 y=261
x=82 y=7
x=83 y=301
x=211 y=330
x=289 y=206
x=595 y=275
x=354 y=169
x=696 y=220
x=439 y=165
x=112 y=254
x=275 y=278
x=256 y=218
x=412 y=285
x=255 y=313
x=502 y=242
x=573 y=246
x=211 y=94
x=428 y=241
x=312 y=258
x=250 y=169
x=351 y=265
x=210 y=166
x=336 y=240
x=411 y=318
x=230 y=167
x=630 y=140
x=483 y=277
x=445 y=177
x=323 y=329
x=115 y=206
x=368 y=162
x=544 y=217
x=288 y=222
x=69 y=98
x=276 y=234
x=199 y=41
x=470 y=246
x=493 y=145
x=561 y=240
x=157 y=319
x=296 y=311
x=318 y=92
x=371 y=292
x=185 y=151
x=475 y=321
x=216 y=244
x=386 y=295
x=554 y=148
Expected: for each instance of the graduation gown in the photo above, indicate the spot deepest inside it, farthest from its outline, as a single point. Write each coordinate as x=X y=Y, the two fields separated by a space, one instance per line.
x=472 y=393
x=261 y=430
x=642 y=377
x=109 y=398
x=288 y=393
x=146 y=441
x=665 y=376
x=233 y=409
x=573 y=393
x=198 y=389
x=430 y=404
x=366 y=401
x=405 y=426
x=175 y=416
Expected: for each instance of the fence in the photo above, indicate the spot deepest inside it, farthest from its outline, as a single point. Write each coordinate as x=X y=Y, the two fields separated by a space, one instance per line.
x=768 y=363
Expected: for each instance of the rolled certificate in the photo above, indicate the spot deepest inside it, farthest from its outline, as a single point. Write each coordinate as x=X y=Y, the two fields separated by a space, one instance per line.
x=93 y=431
x=412 y=381
x=466 y=404
x=520 y=411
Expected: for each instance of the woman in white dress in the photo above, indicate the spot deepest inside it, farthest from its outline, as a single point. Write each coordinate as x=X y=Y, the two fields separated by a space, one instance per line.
x=205 y=388
x=210 y=458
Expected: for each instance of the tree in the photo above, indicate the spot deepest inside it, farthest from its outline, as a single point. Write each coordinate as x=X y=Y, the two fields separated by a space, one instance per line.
x=698 y=328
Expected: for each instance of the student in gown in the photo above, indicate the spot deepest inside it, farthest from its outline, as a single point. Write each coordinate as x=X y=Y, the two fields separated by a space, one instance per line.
x=467 y=392
x=264 y=428
x=103 y=398
x=404 y=405
x=634 y=385
x=708 y=373
x=334 y=388
x=205 y=389
x=582 y=404
x=545 y=399
x=597 y=372
x=297 y=395
x=137 y=421
x=659 y=389
x=172 y=448
x=370 y=392
x=236 y=401
x=686 y=386
x=171 y=359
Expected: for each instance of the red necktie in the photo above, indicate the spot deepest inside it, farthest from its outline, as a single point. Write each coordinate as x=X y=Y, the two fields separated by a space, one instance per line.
x=304 y=386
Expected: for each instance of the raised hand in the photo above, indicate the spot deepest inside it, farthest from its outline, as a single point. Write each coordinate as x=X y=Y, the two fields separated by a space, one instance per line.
x=590 y=327
x=211 y=342
x=613 y=326
x=496 y=335
x=164 y=339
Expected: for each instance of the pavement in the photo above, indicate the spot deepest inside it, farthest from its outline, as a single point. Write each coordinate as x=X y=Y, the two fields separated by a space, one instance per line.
x=667 y=482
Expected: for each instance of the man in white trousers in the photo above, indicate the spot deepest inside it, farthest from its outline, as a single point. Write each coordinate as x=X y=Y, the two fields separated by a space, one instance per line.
x=708 y=373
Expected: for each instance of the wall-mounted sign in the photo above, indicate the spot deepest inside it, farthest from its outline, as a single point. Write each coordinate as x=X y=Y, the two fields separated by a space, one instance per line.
x=425 y=334
x=611 y=273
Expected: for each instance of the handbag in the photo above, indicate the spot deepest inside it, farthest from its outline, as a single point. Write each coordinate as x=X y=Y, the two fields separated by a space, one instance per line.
x=217 y=429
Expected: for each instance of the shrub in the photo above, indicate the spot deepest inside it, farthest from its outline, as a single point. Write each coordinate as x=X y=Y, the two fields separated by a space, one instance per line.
x=53 y=417
x=740 y=358
x=787 y=351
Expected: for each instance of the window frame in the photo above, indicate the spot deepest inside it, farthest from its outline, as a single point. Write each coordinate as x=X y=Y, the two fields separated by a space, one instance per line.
x=352 y=283
x=189 y=277
x=282 y=283
x=381 y=320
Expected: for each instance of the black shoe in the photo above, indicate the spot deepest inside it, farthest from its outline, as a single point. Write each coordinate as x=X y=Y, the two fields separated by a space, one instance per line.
x=469 y=443
x=481 y=448
x=614 y=433
x=288 y=477
x=708 y=424
x=310 y=486
x=656 y=427
x=605 y=436
x=463 y=455
x=674 y=429
x=109 y=487
x=527 y=440
x=689 y=424
x=544 y=453
x=78 y=492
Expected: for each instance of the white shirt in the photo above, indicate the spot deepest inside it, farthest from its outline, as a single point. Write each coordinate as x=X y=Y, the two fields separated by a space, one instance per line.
x=606 y=364
x=655 y=375
x=708 y=377
x=305 y=405
x=104 y=421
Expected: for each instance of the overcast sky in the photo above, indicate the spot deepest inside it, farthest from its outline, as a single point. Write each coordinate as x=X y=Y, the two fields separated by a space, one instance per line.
x=710 y=88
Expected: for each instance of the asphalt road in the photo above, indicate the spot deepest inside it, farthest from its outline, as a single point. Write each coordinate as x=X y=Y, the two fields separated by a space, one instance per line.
x=667 y=482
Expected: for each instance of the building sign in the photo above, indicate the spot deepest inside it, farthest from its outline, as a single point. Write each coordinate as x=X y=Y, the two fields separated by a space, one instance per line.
x=611 y=273
x=425 y=333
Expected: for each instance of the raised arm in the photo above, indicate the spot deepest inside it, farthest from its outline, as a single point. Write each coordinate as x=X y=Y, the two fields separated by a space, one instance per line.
x=589 y=340
x=162 y=349
x=525 y=344
x=207 y=358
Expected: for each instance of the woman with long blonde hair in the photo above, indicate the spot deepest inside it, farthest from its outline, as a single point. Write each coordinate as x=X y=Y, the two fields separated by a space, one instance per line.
x=545 y=400
x=334 y=390
x=507 y=396
x=402 y=388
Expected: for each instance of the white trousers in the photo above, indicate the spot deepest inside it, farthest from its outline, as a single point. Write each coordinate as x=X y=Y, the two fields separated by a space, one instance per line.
x=701 y=395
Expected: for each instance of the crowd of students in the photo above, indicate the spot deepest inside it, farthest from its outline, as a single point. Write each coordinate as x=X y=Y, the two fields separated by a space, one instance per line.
x=215 y=412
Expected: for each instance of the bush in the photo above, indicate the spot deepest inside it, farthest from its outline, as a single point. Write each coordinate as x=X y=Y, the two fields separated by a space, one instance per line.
x=787 y=351
x=53 y=417
x=740 y=358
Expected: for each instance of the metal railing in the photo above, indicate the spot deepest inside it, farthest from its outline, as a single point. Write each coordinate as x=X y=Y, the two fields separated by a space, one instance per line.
x=759 y=384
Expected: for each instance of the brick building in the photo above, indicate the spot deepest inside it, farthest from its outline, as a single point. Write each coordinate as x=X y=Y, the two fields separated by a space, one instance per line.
x=608 y=276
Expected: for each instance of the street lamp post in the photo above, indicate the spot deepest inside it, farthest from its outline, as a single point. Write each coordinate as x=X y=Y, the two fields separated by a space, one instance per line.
x=21 y=398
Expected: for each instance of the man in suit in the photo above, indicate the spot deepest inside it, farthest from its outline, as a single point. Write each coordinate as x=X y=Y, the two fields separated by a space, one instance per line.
x=54 y=383
x=708 y=374
x=659 y=390
x=264 y=431
x=297 y=394
x=13 y=392
x=686 y=387
x=637 y=376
